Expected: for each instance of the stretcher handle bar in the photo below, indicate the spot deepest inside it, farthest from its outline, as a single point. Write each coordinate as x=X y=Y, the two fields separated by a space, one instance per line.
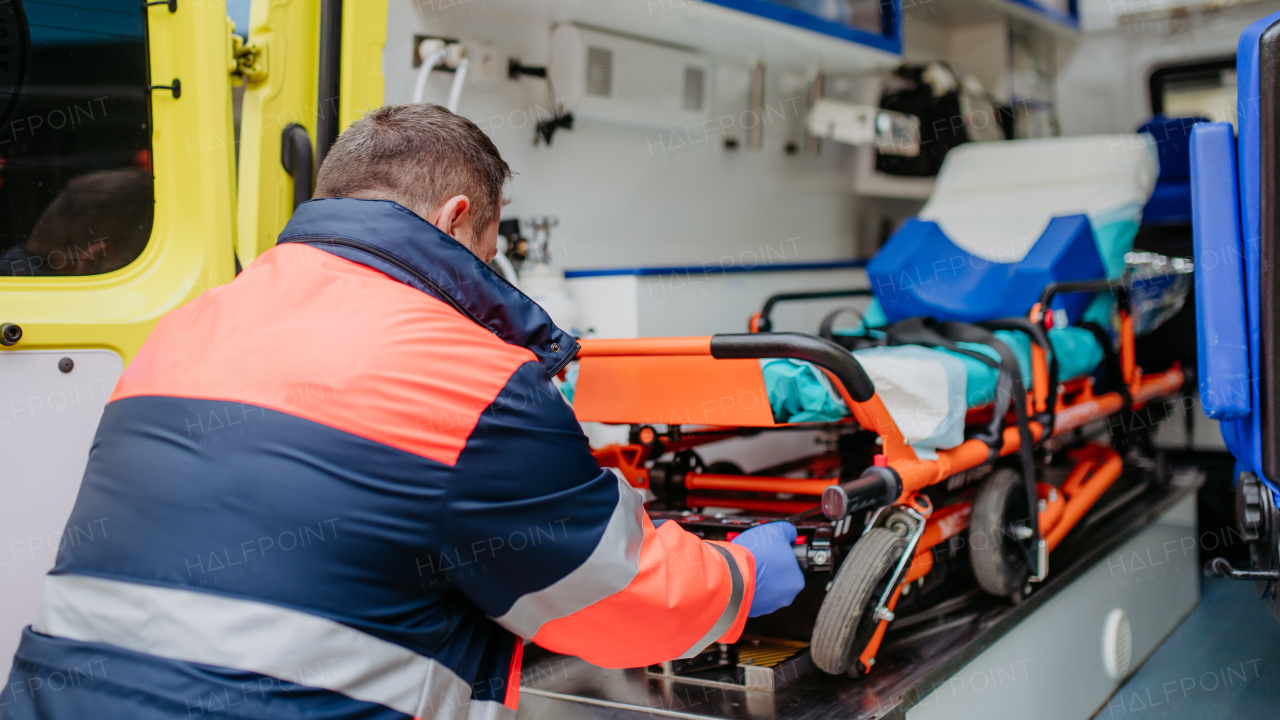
x=646 y=346
x=1121 y=285
x=878 y=486
x=764 y=324
x=798 y=346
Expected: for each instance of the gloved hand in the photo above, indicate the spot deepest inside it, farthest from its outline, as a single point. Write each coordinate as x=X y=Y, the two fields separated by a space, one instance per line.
x=778 y=575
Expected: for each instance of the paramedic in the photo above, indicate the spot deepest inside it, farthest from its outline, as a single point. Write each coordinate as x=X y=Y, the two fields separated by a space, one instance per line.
x=345 y=486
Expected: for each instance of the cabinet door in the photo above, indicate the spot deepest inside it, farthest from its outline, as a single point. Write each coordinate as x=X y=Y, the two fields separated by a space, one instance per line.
x=116 y=206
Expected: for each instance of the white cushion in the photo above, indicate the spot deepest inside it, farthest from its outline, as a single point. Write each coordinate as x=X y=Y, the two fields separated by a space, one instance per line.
x=995 y=199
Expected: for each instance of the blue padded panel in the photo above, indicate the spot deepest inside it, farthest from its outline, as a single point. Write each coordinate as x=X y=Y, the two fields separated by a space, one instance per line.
x=919 y=271
x=1243 y=435
x=1222 y=339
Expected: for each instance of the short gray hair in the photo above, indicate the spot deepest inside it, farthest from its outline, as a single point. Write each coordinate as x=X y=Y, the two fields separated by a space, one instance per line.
x=418 y=155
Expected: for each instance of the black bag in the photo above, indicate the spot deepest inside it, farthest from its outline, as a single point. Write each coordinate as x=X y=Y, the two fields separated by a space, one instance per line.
x=932 y=93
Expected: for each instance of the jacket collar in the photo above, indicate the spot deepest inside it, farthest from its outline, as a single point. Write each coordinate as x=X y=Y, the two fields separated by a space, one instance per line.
x=393 y=240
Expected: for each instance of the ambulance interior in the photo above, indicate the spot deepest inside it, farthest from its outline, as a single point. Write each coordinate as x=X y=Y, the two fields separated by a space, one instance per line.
x=975 y=293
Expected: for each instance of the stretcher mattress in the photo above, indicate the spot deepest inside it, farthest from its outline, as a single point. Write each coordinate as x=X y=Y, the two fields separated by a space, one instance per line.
x=1005 y=219
x=926 y=390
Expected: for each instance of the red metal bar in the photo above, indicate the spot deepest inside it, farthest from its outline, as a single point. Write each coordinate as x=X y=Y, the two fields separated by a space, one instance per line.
x=753 y=483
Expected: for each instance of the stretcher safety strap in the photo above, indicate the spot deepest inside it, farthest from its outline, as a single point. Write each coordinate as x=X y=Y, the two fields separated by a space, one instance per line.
x=271 y=640
x=610 y=568
x=722 y=625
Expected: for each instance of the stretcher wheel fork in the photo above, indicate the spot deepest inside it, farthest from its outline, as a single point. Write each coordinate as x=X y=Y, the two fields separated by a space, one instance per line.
x=847 y=623
x=895 y=549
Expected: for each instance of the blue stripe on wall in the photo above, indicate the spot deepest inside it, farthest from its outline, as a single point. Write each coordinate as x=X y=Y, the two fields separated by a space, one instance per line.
x=718 y=269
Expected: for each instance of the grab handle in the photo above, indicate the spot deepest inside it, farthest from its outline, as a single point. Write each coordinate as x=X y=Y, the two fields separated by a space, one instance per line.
x=798 y=346
x=295 y=156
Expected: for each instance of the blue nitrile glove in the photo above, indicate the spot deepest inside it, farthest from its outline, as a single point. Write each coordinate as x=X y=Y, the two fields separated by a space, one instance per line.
x=778 y=575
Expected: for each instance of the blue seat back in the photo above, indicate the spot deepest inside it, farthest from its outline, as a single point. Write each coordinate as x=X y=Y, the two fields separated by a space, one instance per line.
x=919 y=271
x=1234 y=384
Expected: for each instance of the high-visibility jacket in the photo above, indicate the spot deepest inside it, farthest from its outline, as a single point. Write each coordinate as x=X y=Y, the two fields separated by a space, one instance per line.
x=344 y=486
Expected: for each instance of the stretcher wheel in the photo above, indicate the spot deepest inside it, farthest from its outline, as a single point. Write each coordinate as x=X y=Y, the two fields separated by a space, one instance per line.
x=845 y=625
x=995 y=551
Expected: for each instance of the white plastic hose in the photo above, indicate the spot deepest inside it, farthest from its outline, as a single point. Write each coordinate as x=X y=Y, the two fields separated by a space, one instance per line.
x=424 y=71
x=459 y=77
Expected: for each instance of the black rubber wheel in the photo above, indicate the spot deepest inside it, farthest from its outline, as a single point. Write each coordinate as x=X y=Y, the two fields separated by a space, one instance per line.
x=845 y=625
x=998 y=559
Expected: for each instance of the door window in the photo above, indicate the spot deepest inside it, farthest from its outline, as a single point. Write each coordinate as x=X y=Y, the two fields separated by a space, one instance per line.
x=75 y=144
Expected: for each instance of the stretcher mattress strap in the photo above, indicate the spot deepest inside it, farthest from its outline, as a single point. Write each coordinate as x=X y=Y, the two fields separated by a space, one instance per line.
x=1041 y=338
x=1012 y=387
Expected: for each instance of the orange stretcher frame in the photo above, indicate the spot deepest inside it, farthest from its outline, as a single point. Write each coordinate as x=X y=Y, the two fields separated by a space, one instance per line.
x=677 y=381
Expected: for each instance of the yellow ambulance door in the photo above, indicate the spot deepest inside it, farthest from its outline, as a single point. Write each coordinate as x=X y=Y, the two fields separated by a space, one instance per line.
x=116 y=206
x=323 y=69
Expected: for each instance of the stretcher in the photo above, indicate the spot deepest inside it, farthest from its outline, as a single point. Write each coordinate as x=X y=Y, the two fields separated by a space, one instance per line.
x=707 y=389
x=877 y=506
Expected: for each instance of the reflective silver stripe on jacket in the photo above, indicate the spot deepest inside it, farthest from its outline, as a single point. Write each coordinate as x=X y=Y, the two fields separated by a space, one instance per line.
x=610 y=568
x=291 y=645
x=736 y=591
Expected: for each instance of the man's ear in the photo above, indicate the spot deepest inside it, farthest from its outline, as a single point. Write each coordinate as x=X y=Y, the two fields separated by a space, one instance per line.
x=451 y=215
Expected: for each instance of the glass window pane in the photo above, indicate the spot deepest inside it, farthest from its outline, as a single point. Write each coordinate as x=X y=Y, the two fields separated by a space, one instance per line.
x=1206 y=88
x=75 y=146
x=1211 y=96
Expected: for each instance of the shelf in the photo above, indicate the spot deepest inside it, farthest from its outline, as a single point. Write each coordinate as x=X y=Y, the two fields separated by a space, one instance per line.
x=970 y=12
x=778 y=12
x=895 y=187
x=721 y=33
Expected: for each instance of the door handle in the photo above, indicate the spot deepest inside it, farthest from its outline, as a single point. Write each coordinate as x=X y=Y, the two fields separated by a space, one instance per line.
x=295 y=156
